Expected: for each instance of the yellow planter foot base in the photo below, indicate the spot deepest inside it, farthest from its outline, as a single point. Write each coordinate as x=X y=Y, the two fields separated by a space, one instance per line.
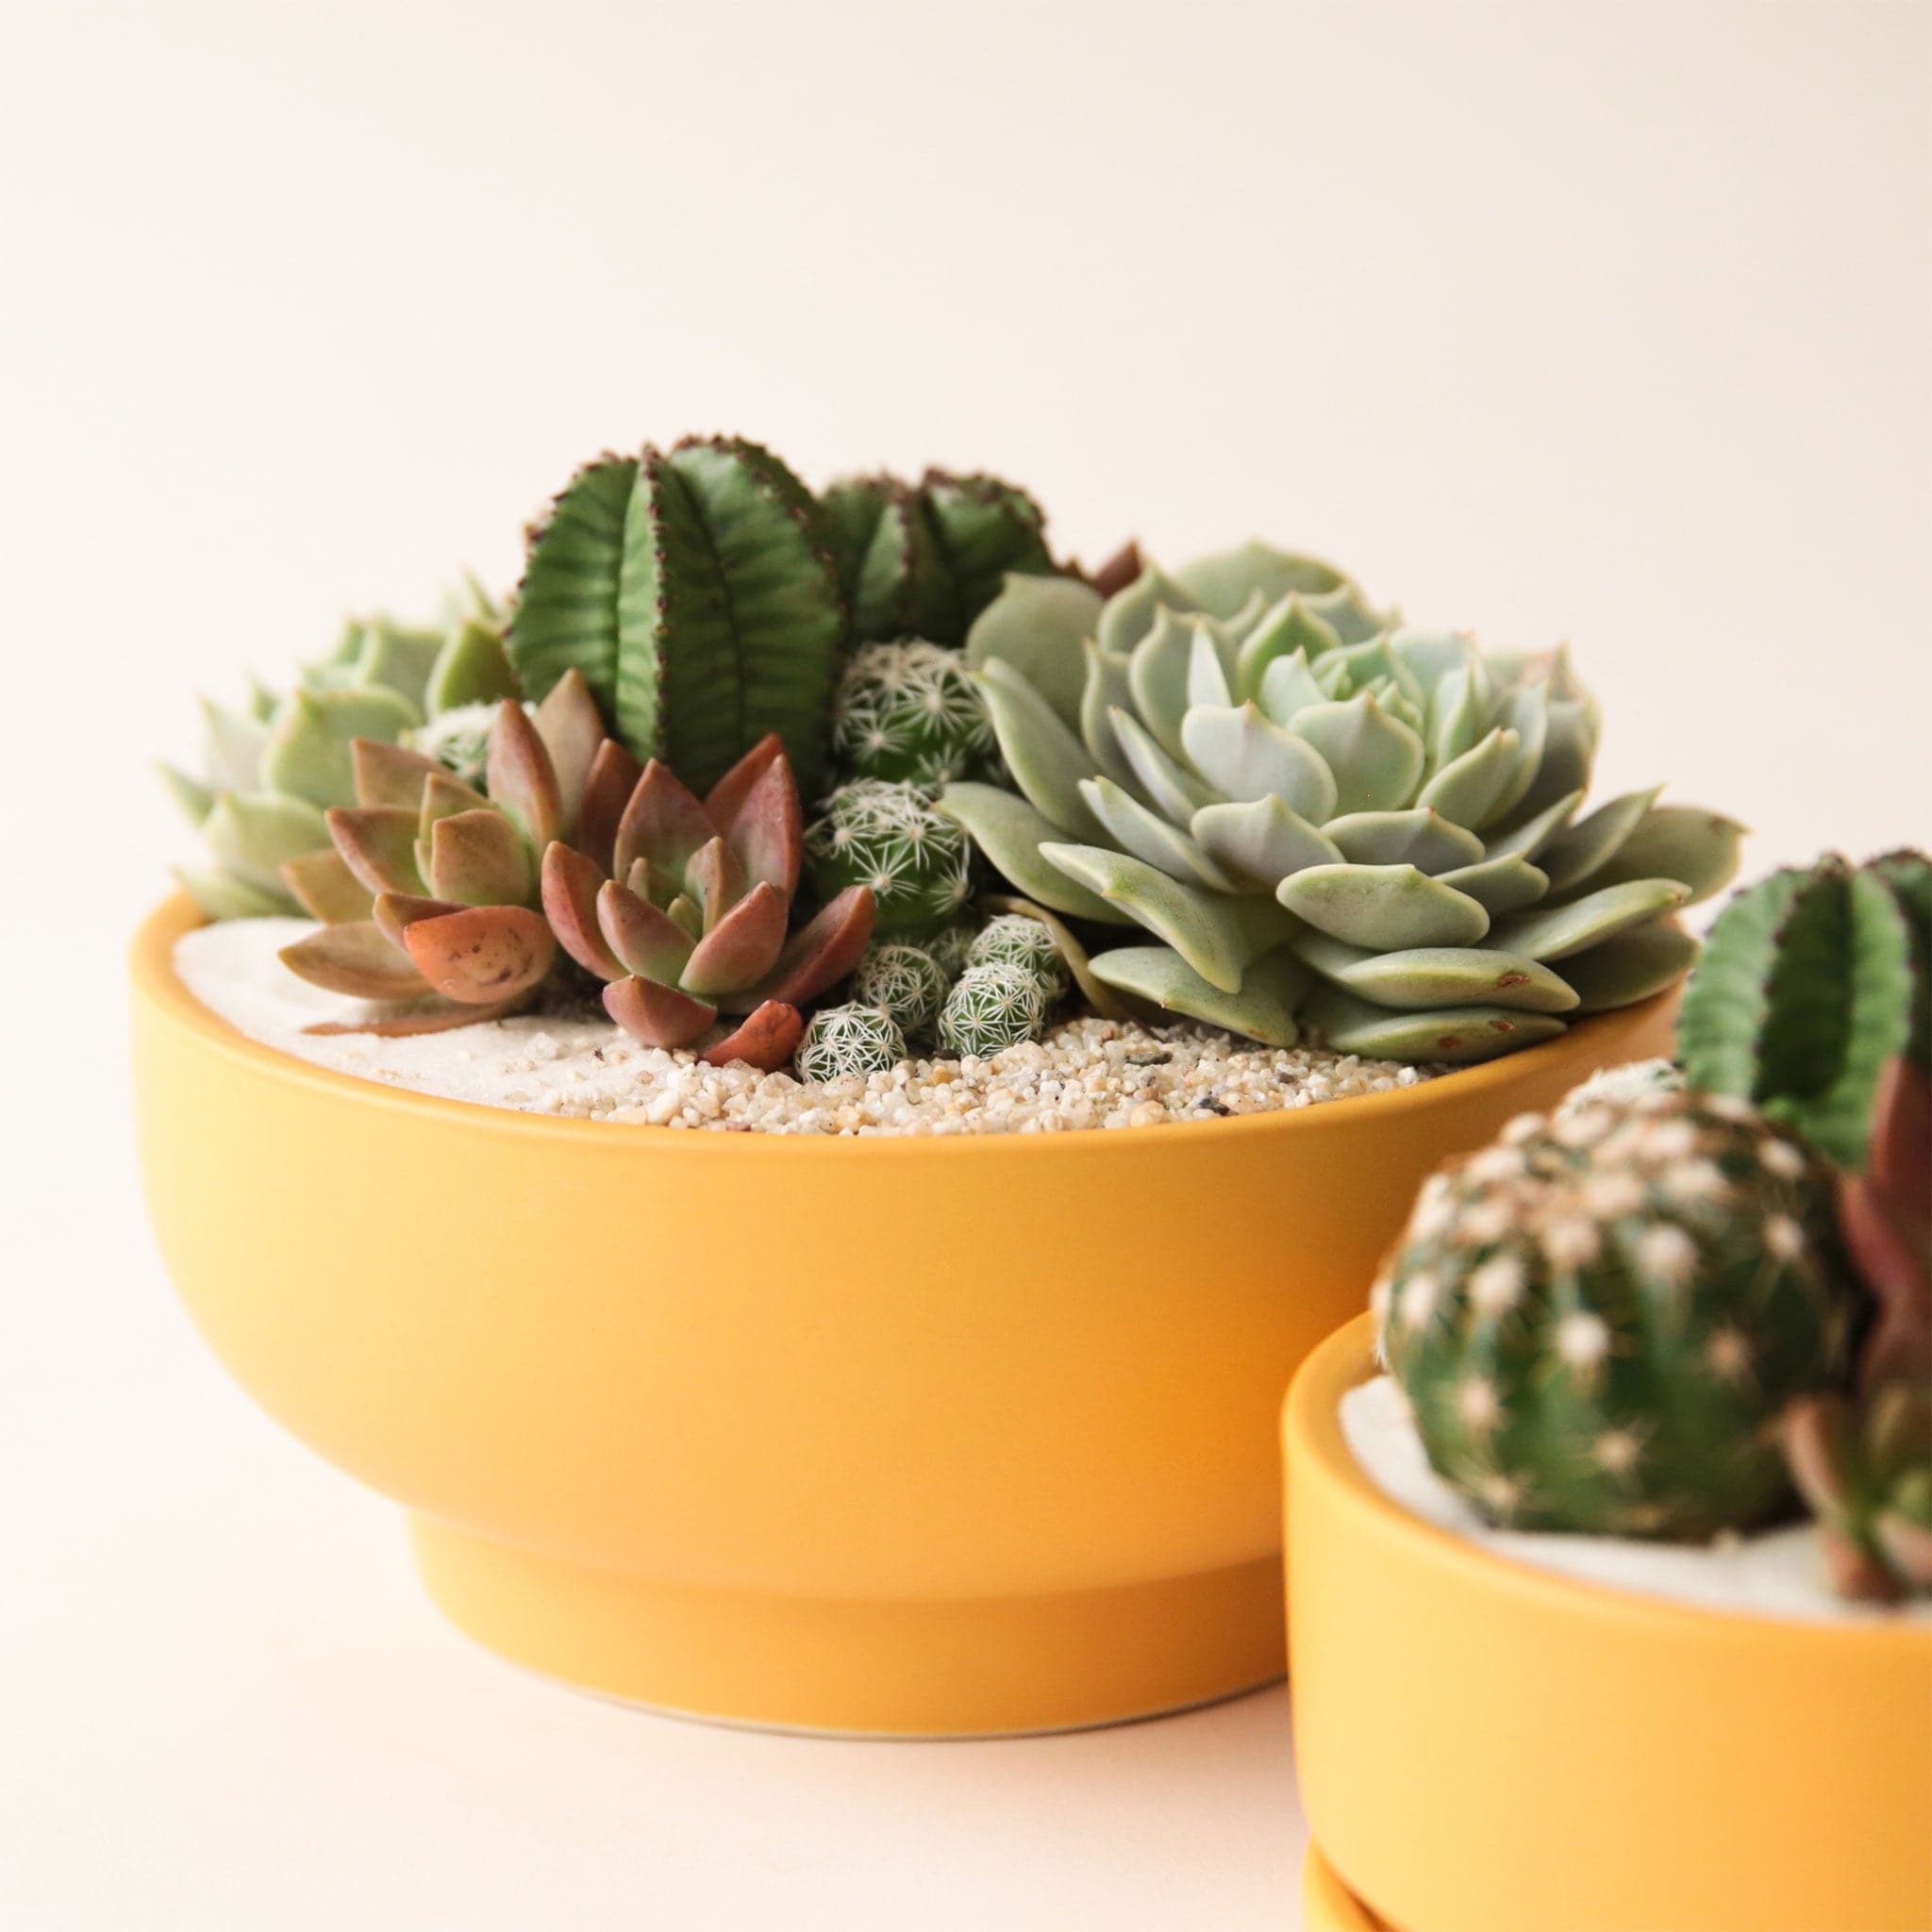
x=918 y=1669
x=1328 y=1906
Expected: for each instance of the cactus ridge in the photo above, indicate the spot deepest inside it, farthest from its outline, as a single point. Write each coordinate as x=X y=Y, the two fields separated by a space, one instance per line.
x=1811 y=980
x=693 y=591
x=1599 y=1319
x=925 y=559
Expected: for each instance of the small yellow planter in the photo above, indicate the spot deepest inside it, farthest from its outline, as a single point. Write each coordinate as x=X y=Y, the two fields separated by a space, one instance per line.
x=892 y=1436
x=1484 y=1747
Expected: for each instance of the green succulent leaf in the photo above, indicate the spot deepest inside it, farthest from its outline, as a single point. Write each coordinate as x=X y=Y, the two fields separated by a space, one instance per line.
x=1427 y=978
x=1040 y=625
x=1167 y=787
x=1557 y=931
x=1581 y=850
x=1107 y=691
x=1383 y=907
x=1157 y=676
x=1011 y=833
x=1458 y=1035
x=1469 y=788
x=1209 y=930
x=254 y=833
x=1246 y=756
x=307 y=753
x=1129 y=615
x=1421 y=836
x=1262 y=840
x=1687 y=843
x=1288 y=687
x=234 y=743
x=192 y=799
x=1263 y=1008
x=225 y=895
x=1631 y=966
x=1376 y=759
x=1499 y=885
x=1222 y=582
x=1149 y=837
x=1287 y=630
x=472 y=668
x=1047 y=762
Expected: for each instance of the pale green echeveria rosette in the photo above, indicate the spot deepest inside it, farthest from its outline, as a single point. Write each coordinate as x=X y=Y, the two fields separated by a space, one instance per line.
x=1324 y=818
x=274 y=765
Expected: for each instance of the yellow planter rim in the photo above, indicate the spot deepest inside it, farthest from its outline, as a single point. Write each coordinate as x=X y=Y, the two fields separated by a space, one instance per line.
x=1312 y=1434
x=151 y=966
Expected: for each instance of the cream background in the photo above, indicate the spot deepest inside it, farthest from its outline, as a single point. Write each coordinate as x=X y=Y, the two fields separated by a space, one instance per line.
x=1597 y=321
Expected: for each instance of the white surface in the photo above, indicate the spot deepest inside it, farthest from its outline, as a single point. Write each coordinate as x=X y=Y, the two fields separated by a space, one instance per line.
x=1591 y=319
x=1772 y=1572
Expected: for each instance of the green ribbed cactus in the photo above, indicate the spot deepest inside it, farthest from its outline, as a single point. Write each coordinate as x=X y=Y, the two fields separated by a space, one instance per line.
x=888 y=836
x=272 y=768
x=922 y=560
x=693 y=590
x=849 y=1042
x=1326 y=819
x=1812 y=981
x=1599 y=1318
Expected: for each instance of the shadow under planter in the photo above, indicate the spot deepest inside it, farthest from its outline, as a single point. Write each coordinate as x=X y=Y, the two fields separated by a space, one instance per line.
x=1487 y=1748
x=919 y=1435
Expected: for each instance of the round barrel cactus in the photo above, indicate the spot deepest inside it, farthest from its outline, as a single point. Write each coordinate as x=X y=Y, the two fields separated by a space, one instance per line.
x=1599 y=1319
x=909 y=710
x=1012 y=939
x=853 y=1041
x=1325 y=818
x=991 y=1007
x=888 y=836
x=904 y=981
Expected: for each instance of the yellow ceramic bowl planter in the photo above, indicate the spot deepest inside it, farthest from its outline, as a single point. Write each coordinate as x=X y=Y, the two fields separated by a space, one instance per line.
x=1484 y=1747
x=894 y=1436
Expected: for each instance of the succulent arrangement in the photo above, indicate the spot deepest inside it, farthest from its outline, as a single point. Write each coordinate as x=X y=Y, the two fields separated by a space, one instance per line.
x=1326 y=819
x=1698 y=1297
x=273 y=767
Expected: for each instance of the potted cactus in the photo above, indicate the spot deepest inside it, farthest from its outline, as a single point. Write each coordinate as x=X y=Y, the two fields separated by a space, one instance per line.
x=812 y=824
x=1655 y=1446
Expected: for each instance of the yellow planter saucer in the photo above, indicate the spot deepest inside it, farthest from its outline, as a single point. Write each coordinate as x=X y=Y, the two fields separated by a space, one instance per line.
x=927 y=1435
x=1487 y=1747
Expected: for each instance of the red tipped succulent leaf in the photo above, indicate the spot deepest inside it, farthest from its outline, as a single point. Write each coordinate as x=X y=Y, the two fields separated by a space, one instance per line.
x=443 y=796
x=483 y=954
x=767 y=1040
x=378 y=845
x=658 y=1015
x=754 y=806
x=613 y=776
x=325 y=888
x=662 y=824
x=568 y=723
x=820 y=954
x=647 y=941
x=480 y=858
x=519 y=777
x=716 y=880
x=396 y=912
x=1885 y=1217
x=390 y=774
x=570 y=884
x=742 y=948
x=355 y=960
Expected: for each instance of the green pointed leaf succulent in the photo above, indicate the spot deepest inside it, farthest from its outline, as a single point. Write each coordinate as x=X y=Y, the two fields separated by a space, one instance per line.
x=1255 y=757
x=382 y=681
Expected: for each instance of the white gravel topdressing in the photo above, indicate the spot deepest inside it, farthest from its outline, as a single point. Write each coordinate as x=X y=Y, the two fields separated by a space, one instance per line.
x=1088 y=1073
x=1771 y=1573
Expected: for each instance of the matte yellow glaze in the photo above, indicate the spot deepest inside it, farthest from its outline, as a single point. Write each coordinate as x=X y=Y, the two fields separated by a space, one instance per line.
x=1485 y=1747
x=920 y=1435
